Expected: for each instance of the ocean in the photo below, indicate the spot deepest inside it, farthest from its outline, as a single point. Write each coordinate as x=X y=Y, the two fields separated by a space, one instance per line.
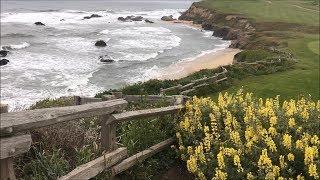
x=60 y=59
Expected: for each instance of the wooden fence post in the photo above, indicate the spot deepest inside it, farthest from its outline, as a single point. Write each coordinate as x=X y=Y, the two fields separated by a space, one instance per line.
x=108 y=134
x=6 y=165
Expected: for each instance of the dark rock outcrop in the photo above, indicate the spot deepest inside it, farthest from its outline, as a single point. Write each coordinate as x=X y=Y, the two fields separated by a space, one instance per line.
x=4 y=62
x=137 y=18
x=92 y=16
x=106 y=59
x=100 y=43
x=3 y=53
x=149 y=21
x=130 y=18
x=168 y=18
x=39 y=24
x=227 y=26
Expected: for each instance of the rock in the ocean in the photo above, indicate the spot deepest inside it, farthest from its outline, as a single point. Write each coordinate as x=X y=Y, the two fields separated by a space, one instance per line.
x=92 y=16
x=100 y=43
x=130 y=18
x=168 y=18
x=136 y=18
x=121 y=19
x=106 y=59
x=39 y=24
x=148 y=21
x=3 y=62
x=3 y=53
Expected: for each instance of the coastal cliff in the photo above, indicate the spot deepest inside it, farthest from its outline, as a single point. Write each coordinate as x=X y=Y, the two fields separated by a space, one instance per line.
x=236 y=28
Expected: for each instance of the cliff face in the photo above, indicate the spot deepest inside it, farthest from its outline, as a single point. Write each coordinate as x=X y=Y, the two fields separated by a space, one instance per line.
x=227 y=26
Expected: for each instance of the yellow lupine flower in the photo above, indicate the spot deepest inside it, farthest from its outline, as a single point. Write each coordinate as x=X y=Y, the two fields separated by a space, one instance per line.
x=310 y=153
x=192 y=165
x=220 y=175
x=273 y=121
x=282 y=162
x=250 y=176
x=299 y=144
x=313 y=171
x=305 y=114
x=235 y=137
x=236 y=161
x=276 y=170
x=290 y=157
x=287 y=141
x=264 y=161
x=300 y=177
x=291 y=122
x=315 y=140
x=270 y=176
x=271 y=145
x=272 y=131
x=221 y=160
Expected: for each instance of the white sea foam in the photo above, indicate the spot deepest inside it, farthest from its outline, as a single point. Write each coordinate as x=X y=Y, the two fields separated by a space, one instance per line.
x=145 y=74
x=16 y=46
x=150 y=40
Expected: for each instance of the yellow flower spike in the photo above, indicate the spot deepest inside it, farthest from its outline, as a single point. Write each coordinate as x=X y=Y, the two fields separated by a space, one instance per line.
x=312 y=169
x=290 y=157
x=220 y=159
x=273 y=121
x=220 y=175
x=300 y=177
x=318 y=106
x=272 y=131
x=287 y=141
x=250 y=176
x=305 y=114
x=192 y=165
x=309 y=154
x=270 y=176
x=235 y=137
x=291 y=122
x=276 y=170
x=315 y=140
x=299 y=145
x=264 y=161
x=271 y=145
x=282 y=162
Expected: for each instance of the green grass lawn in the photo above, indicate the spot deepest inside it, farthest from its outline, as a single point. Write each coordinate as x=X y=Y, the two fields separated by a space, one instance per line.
x=270 y=10
x=304 y=78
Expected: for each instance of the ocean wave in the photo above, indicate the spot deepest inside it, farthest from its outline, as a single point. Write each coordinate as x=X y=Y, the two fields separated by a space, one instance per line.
x=145 y=74
x=16 y=46
x=16 y=35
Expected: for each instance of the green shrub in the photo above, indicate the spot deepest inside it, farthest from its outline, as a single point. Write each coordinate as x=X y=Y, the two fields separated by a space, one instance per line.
x=253 y=55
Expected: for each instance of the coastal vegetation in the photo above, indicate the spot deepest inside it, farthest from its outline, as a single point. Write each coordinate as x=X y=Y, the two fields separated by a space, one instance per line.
x=242 y=137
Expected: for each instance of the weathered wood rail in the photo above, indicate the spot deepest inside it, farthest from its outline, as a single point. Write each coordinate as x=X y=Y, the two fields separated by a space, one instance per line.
x=16 y=139
x=196 y=84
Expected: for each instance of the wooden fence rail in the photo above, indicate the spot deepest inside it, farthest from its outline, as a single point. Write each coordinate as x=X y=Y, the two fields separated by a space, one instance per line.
x=195 y=84
x=108 y=108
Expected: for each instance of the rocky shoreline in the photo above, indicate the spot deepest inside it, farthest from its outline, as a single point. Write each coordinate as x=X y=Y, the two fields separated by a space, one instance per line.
x=236 y=28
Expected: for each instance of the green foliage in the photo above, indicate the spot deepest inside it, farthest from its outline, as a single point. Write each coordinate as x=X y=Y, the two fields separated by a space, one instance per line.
x=44 y=165
x=48 y=103
x=140 y=134
x=253 y=55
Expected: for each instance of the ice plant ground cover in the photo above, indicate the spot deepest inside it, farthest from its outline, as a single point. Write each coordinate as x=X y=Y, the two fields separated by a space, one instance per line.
x=241 y=137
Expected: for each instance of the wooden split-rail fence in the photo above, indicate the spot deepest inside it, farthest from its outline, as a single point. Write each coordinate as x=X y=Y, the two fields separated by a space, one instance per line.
x=196 y=84
x=15 y=130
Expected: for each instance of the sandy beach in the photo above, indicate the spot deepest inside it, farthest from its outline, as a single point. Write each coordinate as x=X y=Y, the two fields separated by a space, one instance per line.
x=209 y=60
